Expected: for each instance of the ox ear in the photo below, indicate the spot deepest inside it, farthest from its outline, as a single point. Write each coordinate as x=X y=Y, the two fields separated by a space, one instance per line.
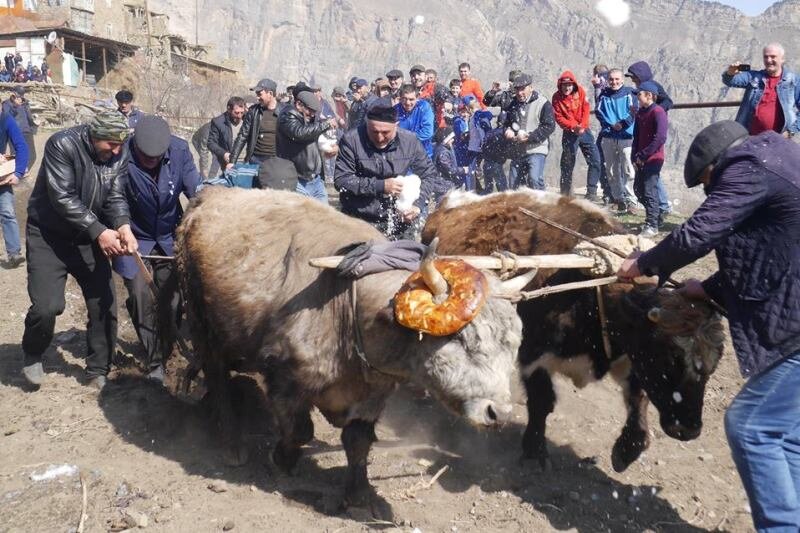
x=654 y=314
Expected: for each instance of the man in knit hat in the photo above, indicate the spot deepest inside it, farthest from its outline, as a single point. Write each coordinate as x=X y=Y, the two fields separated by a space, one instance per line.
x=78 y=218
x=750 y=218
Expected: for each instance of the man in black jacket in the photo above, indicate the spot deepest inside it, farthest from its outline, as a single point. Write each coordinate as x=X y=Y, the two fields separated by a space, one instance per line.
x=259 y=126
x=77 y=219
x=224 y=129
x=371 y=159
x=297 y=141
x=362 y=98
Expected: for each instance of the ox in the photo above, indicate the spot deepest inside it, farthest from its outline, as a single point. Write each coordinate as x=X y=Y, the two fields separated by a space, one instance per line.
x=662 y=347
x=255 y=304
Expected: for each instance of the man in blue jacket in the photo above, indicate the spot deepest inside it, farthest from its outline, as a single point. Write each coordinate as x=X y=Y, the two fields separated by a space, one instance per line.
x=20 y=109
x=416 y=116
x=159 y=170
x=751 y=219
x=9 y=132
x=772 y=95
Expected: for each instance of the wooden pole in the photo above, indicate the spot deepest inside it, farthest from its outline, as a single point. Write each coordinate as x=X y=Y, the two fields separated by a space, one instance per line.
x=83 y=57
x=105 y=69
x=700 y=105
x=490 y=262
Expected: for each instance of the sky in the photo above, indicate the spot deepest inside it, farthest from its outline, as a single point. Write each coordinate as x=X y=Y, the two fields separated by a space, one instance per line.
x=749 y=7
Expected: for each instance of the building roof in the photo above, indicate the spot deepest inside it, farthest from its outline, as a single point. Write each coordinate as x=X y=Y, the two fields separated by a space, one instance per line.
x=69 y=33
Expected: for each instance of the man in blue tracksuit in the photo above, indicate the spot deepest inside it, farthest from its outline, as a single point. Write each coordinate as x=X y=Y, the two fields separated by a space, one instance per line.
x=416 y=115
x=159 y=170
x=614 y=111
x=10 y=132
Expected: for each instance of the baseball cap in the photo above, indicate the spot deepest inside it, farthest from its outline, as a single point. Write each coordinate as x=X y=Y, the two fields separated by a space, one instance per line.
x=647 y=86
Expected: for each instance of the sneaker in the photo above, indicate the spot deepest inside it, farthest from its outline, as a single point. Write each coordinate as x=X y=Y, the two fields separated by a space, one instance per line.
x=34 y=373
x=97 y=382
x=591 y=196
x=156 y=374
x=14 y=260
x=648 y=231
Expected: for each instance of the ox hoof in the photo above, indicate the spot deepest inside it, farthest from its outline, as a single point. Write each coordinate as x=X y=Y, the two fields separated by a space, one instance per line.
x=285 y=460
x=367 y=501
x=537 y=465
x=625 y=452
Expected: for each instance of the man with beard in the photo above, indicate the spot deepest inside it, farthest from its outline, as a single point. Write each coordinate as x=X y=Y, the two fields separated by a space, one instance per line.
x=225 y=129
x=259 y=126
x=362 y=98
x=395 y=78
x=77 y=219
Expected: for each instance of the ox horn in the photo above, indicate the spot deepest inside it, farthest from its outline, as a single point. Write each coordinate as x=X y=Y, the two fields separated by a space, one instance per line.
x=432 y=277
x=654 y=314
x=514 y=285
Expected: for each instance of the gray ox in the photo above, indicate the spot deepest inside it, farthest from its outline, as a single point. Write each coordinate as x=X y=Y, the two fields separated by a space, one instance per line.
x=662 y=347
x=254 y=303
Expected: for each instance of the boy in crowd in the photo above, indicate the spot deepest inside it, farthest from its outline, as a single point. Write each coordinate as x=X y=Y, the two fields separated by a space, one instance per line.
x=647 y=154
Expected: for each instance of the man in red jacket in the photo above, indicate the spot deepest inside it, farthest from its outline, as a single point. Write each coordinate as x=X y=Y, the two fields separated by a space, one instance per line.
x=571 y=109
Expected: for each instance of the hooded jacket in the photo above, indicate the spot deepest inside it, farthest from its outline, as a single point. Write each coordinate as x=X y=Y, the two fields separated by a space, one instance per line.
x=642 y=70
x=571 y=111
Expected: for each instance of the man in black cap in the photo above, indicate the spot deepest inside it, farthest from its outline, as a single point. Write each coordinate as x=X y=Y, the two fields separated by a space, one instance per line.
x=751 y=219
x=297 y=141
x=159 y=170
x=372 y=159
x=125 y=106
x=417 y=74
x=395 y=78
x=77 y=219
x=362 y=98
x=259 y=126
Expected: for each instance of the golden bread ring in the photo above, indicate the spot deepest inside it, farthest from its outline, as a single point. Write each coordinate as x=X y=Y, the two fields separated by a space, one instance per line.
x=468 y=288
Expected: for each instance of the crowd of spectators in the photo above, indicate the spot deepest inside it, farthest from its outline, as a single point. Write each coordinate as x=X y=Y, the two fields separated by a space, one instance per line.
x=15 y=70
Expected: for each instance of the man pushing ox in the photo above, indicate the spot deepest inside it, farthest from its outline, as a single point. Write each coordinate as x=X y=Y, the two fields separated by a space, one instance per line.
x=751 y=219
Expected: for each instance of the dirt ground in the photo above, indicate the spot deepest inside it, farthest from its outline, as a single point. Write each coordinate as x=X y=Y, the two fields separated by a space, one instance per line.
x=145 y=456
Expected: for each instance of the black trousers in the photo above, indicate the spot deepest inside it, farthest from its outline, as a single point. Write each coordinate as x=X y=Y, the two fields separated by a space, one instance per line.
x=50 y=258
x=144 y=311
x=645 y=186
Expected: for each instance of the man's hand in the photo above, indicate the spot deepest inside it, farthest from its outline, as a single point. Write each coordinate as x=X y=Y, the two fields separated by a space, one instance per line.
x=229 y=166
x=630 y=268
x=11 y=179
x=693 y=288
x=411 y=214
x=392 y=186
x=227 y=157
x=333 y=123
x=617 y=126
x=109 y=243
x=509 y=134
x=127 y=239
x=522 y=136
x=733 y=68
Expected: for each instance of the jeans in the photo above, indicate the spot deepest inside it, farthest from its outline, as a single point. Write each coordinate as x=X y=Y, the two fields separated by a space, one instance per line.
x=8 y=221
x=763 y=429
x=493 y=175
x=646 y=186
x=663 y=200
x=570 y=142
x=603 y=177
x=619 y=168
x=50 y=259
x=313 y=188
x=528 y=171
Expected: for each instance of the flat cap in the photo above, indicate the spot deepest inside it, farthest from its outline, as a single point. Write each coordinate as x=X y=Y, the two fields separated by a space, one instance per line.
x=310 y=100
x=523 y=80
x=338 y=91
x=124 y=96
x=151 y=136
x=265 y=84
x=416 y=68
x=394 y=73
x=708 y=146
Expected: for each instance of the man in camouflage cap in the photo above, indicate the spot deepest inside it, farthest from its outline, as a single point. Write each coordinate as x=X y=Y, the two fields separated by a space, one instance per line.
x=78 y=218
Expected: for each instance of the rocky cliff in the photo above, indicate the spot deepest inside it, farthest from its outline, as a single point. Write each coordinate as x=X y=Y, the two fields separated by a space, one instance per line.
x=687 y=42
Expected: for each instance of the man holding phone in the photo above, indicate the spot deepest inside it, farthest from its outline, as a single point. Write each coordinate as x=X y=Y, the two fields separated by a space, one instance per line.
x=772 y=96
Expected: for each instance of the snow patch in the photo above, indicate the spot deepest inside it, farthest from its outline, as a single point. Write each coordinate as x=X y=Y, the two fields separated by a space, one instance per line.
x=55 y=471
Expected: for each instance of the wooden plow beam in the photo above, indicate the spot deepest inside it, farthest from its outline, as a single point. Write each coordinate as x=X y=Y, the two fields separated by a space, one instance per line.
x=491 y=262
